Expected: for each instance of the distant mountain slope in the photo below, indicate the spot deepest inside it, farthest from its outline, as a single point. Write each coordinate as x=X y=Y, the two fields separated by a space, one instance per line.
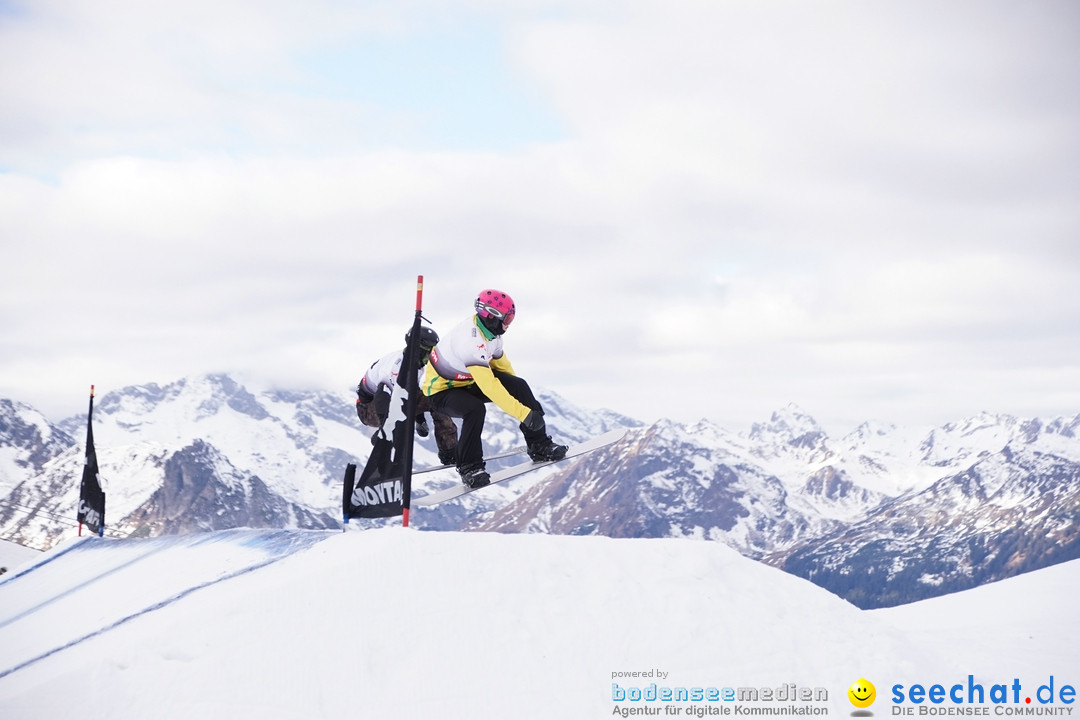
x=661 y=482
x=206 y=452
x=1009 y=513
x=882 y=515
x=971 y=502
x=27 y=441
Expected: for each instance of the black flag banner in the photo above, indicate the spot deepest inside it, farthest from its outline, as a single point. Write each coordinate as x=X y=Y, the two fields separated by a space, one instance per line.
x=377 y=492
x=91 y=496
x=384 y=486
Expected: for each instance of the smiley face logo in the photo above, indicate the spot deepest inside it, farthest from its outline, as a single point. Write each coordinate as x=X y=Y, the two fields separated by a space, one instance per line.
x=862 y=693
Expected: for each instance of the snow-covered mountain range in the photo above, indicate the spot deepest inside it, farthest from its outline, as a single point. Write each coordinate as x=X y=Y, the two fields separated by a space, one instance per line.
x=207 y=453
x=881 y=516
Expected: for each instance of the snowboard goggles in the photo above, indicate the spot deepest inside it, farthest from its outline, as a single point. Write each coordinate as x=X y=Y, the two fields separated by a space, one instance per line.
x=507 y=318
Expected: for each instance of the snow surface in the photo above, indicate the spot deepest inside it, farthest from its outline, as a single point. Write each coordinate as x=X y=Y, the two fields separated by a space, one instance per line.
x=395 y=623
x=1030 y=621
x=13 y=555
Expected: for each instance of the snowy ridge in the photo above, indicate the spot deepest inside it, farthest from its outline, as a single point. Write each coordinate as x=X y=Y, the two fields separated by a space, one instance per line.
x=881 y=517
x=494 y=625
x=285 y=439
x=27 y=441
x=13 y=555
x=1009 y=513
x=113 y=583
x=941 y=508
x=258 y=457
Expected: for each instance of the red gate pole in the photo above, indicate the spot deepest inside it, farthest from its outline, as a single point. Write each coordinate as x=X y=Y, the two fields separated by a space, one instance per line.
x=410 y=405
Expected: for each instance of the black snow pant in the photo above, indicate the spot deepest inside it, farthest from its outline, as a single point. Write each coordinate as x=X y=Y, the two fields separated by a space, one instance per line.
x=469 y=403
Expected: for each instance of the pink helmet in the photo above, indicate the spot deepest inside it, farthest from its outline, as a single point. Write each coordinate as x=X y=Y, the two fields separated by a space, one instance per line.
x=495 y=304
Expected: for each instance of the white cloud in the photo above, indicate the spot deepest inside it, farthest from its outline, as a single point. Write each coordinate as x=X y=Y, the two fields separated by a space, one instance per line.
x=856 y=207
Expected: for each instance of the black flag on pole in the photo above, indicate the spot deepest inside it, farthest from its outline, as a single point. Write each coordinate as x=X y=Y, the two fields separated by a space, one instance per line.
x=91 y=496
x=377 y=492
x=383 y=488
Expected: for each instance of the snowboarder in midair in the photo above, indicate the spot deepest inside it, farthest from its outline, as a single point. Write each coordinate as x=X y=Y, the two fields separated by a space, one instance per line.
x=469 y=369
x=373 y=396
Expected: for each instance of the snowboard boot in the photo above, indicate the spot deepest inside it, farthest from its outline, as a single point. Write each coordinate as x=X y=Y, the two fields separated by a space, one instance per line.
x=544 y=450
x=474 y=475
x=447 y=457
x=422 y=427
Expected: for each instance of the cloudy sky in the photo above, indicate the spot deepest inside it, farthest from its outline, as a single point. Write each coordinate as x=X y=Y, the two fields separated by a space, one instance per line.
x=703 y=208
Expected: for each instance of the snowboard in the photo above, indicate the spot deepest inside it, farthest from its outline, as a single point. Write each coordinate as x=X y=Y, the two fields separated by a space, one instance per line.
x=513 y=471
x=500 y=456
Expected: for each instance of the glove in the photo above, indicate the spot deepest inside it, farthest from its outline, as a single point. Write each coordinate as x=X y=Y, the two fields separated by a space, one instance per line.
x=382 y=405
x=422 y=427
x=534 y=422
x=363 y=396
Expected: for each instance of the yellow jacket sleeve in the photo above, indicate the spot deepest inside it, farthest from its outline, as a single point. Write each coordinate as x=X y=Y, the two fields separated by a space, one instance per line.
x=498 y=394
x=502 y=364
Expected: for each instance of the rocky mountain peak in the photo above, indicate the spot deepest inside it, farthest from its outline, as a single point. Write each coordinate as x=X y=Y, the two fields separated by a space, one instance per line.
x=789 y=425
